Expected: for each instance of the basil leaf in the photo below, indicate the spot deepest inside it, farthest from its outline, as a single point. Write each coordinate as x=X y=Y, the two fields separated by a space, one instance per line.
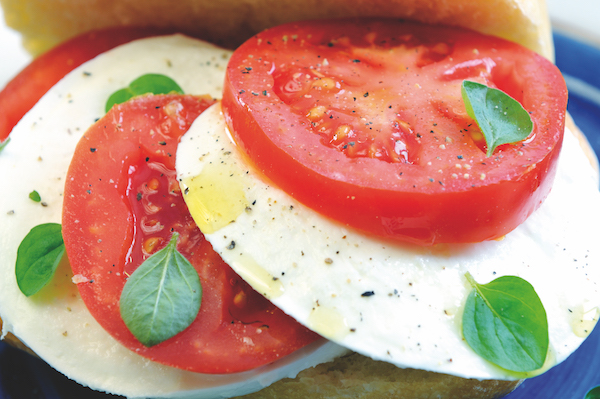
x=593 y=393
x=149 y=83
x=38 y=257
x=35 y=196
x=162 y=297
x=118 y=97
x=501 y=118
x=4 y=144
x=505 y=322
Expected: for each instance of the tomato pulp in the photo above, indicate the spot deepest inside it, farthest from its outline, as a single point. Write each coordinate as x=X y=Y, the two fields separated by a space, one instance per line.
x=122 y=203
x=363 y=121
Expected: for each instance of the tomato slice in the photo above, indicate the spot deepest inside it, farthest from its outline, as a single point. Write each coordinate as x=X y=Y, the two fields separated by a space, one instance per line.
x=363 y=121
x=25 y=89
x=122 y=203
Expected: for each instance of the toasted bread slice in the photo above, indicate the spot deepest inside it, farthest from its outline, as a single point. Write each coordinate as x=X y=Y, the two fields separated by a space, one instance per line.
x=45 y=23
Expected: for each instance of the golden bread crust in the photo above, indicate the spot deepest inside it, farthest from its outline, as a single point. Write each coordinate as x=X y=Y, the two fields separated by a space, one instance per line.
x=359 y=377
x=45 y=23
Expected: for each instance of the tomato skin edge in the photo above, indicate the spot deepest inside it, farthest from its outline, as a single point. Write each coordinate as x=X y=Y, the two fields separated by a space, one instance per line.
x=417 y=217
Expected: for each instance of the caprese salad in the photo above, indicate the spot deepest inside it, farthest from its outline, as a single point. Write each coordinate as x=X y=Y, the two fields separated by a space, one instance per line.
x=385 y=185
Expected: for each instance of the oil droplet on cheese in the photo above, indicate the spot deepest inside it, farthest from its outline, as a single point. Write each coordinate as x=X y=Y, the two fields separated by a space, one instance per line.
x=61 y=287
x=328 y=322
x=255 y=275
x=584 y=319
x=215 y=197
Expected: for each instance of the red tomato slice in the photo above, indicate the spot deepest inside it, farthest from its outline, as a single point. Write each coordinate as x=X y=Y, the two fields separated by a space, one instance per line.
x=363 y=121
x=25 y=89
x=122 y=203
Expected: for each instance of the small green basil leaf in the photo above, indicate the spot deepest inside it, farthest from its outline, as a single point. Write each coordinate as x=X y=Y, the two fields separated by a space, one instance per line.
x=593 y=393
x=501 y=118
x=4 y=144
x=162 y=297
x=35 y=196
x=155 y=84
x=38 y=257
x=149 y=83
x=118 y=97
x=505 y=322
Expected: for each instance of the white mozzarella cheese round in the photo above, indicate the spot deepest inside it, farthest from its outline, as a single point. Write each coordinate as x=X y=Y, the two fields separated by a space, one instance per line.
x=398 y=303
x=55 y=322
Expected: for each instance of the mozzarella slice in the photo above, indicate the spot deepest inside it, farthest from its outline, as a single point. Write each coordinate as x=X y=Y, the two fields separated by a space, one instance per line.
x=55 y=322
x=397 y=303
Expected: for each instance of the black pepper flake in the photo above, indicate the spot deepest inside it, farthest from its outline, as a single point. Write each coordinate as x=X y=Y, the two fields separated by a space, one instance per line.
x=138 y=196
x=162 y=142
x=355 y=60
x=87 y=73
x=366 y=94
x=459 y=156
x=264 y=93
x=187 y=190
x=147 y=159
x=231 y=245
x=368 y=293
x=242 y=91
x=93 y=149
